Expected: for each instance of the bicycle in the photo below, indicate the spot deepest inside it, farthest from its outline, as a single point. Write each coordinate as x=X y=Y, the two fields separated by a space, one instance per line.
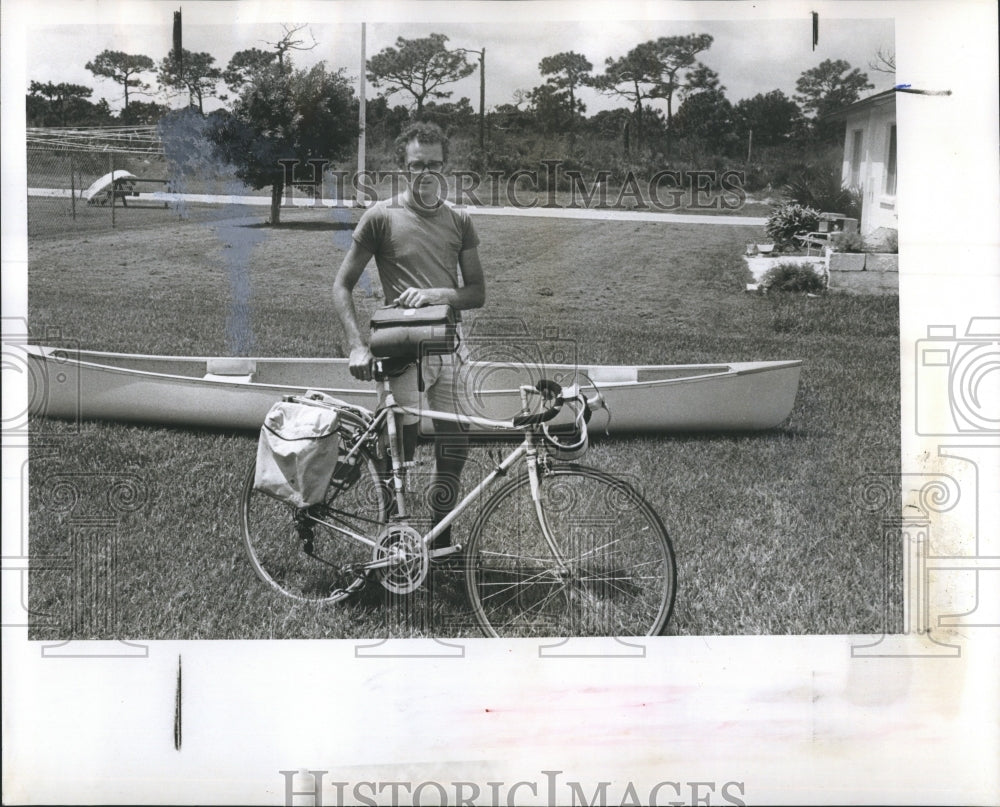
x=559 y=549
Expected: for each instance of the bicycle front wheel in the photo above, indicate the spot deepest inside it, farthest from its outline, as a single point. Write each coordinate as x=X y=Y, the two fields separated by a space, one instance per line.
x=314 y=554
x=609 y=569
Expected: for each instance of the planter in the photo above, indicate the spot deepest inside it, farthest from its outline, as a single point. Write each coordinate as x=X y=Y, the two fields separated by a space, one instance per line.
x=864 y=273
x=847 y=261
x=881 y=262
x=851 y=272
x=864 y=282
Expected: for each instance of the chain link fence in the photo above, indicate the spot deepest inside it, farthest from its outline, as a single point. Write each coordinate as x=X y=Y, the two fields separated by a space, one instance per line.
x=70 y=175
x=82 y=180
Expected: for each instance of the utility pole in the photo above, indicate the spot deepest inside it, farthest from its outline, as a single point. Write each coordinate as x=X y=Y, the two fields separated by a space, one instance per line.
x=482 y=99
x=361 y=119
x=482 y=93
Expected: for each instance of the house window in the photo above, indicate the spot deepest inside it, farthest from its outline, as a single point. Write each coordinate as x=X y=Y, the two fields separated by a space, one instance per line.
x=890 y=164
x=856 y=136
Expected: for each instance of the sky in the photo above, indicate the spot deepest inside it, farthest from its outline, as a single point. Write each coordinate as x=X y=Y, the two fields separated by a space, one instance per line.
x=751 y=53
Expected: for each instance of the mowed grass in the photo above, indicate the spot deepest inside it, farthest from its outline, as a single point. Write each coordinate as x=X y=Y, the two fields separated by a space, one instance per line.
x=769 y=528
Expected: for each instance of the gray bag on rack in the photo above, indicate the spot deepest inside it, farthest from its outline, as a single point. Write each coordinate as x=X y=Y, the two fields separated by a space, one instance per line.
x=297 y=451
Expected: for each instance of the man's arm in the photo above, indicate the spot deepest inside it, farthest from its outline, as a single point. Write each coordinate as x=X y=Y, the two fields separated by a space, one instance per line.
x=471 y=295
x=343 y=303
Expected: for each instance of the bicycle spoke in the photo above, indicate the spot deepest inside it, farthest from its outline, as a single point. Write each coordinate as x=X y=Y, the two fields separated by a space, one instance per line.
x=617 y=576
x=317 y=554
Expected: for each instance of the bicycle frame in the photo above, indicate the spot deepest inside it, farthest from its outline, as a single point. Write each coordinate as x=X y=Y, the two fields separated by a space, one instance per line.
x=385 y=417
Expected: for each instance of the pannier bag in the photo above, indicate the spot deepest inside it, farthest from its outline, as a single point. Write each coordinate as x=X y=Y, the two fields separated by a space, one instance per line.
x=297 y=451
x=406 y=333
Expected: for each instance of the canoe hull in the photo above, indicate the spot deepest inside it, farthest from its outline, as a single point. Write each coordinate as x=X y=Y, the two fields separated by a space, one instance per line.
x=237 y=393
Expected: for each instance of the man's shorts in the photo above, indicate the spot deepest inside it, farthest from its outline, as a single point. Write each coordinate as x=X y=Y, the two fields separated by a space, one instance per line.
x=444 y=385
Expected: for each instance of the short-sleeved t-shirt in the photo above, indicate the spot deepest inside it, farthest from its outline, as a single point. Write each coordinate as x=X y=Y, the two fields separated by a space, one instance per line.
x=415 y=247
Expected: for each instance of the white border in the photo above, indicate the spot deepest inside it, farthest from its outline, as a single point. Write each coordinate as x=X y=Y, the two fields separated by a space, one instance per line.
x=794 y=718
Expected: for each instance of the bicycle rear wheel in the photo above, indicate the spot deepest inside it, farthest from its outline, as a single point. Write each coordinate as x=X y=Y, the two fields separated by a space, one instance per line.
x=308 y=554
x=616 y=577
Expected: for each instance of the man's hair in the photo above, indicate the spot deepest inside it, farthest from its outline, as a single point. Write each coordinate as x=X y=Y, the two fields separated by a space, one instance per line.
x=422 y=132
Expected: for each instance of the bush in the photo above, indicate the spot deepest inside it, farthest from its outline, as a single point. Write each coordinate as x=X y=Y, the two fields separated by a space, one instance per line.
x=821 y=187
x=789 y=220
x=847 y=242
x=792 y=277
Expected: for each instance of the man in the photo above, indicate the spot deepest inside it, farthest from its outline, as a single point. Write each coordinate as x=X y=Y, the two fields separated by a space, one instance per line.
x=419 y=243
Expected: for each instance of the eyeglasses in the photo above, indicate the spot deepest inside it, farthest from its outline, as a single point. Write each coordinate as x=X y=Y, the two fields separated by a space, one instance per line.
x=434 y=166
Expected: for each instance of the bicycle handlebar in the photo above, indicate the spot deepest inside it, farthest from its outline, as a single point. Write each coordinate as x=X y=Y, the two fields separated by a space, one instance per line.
x=553 y=390
x=548 y=389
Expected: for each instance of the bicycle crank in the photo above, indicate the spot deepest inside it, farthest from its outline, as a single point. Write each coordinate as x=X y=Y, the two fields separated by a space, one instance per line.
x=400 y=559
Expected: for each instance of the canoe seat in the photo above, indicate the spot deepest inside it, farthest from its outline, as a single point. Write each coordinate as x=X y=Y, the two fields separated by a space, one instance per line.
x=234 y=370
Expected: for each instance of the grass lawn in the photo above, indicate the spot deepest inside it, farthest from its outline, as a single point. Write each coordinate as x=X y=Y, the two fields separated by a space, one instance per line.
x=134 y=530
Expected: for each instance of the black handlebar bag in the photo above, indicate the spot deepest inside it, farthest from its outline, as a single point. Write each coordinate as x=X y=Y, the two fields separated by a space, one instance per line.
x=409 y=333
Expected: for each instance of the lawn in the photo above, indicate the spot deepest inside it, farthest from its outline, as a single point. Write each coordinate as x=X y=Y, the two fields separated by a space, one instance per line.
x=134 y=530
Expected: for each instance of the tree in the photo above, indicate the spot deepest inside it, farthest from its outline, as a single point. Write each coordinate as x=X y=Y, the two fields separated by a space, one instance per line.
x=142 y=113
x=244 y=65
x=772 y=117
x=673 y=55
x=608 y=124
x=567 y=71
x=830 y=86
x=286 y=114
x=419 y=67
x=699 y=79
x=450 y=116
x=63 y=104
x=188 y=150
x=707 y=119
x=510 y=117
x=548 y=110
x=194 y=73
x=382 y=121
x=654 y=70
x=122 y=68
x=289 y=42
x=884 y=61
x=632 y=77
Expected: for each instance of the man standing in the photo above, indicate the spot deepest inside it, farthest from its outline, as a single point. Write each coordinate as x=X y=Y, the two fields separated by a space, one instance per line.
x=419 y=243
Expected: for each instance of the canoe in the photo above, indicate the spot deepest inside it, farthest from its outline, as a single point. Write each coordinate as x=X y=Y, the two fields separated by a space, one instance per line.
x=236 y=393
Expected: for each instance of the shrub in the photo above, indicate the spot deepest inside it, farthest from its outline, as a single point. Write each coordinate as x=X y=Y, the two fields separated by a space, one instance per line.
x=792 y=277
x=821 y=187
x=847 y=242
x=789 y=220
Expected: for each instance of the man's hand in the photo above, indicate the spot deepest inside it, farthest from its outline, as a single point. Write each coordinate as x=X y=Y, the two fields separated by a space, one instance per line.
x=361 y=363
x=416 y=298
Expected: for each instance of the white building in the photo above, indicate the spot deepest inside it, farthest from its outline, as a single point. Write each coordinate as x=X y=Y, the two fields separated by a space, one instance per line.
x=870 y=158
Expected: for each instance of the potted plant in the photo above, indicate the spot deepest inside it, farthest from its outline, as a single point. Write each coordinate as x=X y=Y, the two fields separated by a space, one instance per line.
x=787 y=221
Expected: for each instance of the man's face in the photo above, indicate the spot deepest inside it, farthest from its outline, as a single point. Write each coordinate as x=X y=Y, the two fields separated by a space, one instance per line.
x=423 y=161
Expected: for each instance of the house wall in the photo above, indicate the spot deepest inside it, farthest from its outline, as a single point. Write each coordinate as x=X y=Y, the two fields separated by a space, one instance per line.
x=870 y=167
